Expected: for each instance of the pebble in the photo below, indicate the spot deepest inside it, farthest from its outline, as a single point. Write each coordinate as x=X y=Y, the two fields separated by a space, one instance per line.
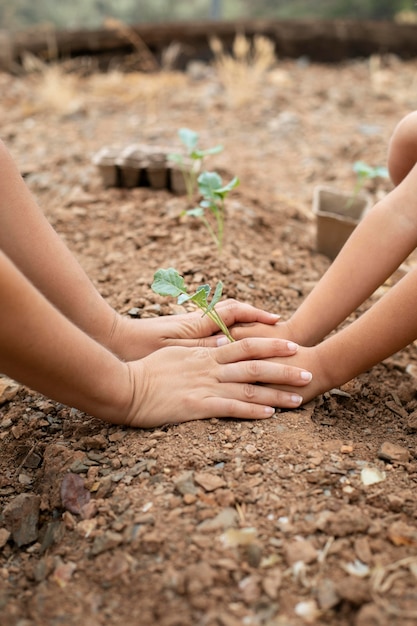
x=107 y=541
x=393 y=452
x=271 y=583
x=209 y=482
x=300 y=550
x=4 y=537
x=21 y=517
x=227 y=518
x=184 y=484
x=402 y=534
x=198 y=577
x=346 y=521
x=327 y=596
x=8 y=389
x=354 y=590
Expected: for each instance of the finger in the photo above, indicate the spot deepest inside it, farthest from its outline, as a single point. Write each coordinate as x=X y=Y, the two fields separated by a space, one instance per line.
x=240 y=331
x=252 y=402
x=233 y=312
x=251 y=348
x=264 y=372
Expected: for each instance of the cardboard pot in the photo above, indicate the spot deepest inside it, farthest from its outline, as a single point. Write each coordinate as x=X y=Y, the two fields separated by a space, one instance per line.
x=337 y=215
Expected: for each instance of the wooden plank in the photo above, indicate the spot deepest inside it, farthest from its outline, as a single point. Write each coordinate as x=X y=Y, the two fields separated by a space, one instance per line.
x=320 y=40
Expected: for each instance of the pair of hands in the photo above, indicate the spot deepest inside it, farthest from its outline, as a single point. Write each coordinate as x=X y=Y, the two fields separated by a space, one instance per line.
x=187 y=371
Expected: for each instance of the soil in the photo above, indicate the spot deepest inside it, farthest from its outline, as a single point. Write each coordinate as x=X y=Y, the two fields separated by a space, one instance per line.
x=218 y=522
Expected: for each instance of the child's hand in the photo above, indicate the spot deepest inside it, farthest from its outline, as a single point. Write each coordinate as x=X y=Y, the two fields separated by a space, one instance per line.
x=133 y=339
x=181 y=384
x=279 y=330
x=309 y=359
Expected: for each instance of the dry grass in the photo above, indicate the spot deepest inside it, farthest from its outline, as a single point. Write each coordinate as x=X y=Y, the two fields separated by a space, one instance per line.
x=58 y=90
x=146 y=59
x=54 y=89
x=243 y=71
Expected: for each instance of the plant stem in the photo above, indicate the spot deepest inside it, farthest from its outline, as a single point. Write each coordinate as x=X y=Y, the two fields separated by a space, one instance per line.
x=215 y=317
x=211 y=231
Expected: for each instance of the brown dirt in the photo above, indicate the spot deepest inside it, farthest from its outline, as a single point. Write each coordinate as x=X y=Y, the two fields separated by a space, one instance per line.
x=164 y=539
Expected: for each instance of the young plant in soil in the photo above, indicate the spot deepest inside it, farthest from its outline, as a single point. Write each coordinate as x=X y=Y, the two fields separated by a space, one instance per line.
x=363 y=173
x=214 y=193
x=170 y=283
x=192 y=163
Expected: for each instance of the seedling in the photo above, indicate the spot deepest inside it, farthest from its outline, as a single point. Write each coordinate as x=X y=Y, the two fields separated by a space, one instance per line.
x=214 y=193
x=170 y=283
x=363 y=173
x=192 y=163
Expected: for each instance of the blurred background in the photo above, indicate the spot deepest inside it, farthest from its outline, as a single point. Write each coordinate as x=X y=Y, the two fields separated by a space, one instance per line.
x=19 y=14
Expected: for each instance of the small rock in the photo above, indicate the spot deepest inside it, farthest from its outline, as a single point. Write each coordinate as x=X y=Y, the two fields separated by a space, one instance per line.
x=307 y=610
x=412 y=421
x=253 y=554
x=73 y=493
x=300 y=550
x=372 y=475
x=393 y=452
x=184 y=484
x=363 y=550
x=234 y=537
x=326 y=594
x=272 y=582
x=21 y=517
x=4 y=537
x=371 y=615
x=95 y=442
x=209 y=482
x=107 y=541
x=199 y=577
x=63 y=573
x=354 y=590
x=227 y=518
x=250 y=588
x=401 y=534
x=347 y=521
x=189 y=498
x=8 y=389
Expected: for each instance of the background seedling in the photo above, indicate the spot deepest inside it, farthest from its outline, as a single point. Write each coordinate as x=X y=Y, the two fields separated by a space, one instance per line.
x=170 y=283
x=363 y=173
x=214 y=193
x=192 y=163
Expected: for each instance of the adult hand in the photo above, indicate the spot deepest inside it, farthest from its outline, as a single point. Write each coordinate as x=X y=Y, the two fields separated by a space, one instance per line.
x=179 y=384
x=133 y=339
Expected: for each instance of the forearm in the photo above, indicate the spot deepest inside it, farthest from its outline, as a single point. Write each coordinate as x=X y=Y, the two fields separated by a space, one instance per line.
x=28 y=239
x=42 y=349
x=387 y=327
x=379 y=244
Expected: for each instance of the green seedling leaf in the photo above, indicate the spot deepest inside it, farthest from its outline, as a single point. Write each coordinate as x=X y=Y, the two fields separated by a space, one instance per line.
x=211 y=185
x=231 y=185
x=200 y=154
x=189 y=138
x=176 y=158
x=209 y=182
x=197 y=212
x=200 y=297
x=363 y=170
x=168 y=283
x=216 y=296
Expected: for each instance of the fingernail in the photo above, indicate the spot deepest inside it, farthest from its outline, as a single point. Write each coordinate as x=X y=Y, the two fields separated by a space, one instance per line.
x=268 y=410
x=222 y=341
x=307 y=376
x=296 y=399
x=292 y=346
